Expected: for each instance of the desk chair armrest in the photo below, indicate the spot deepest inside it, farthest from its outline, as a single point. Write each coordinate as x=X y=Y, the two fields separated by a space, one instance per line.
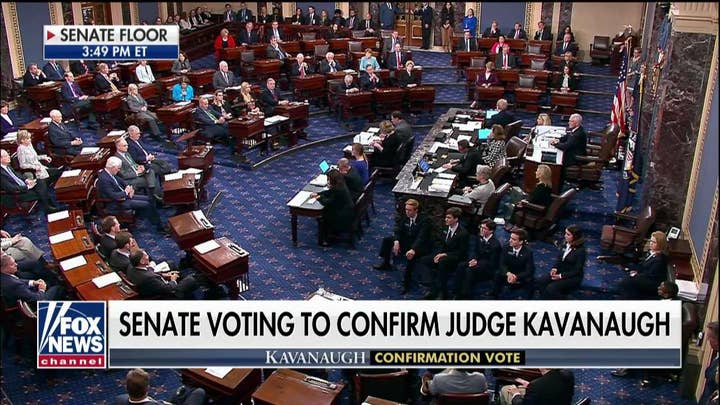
x=626 y=217
x=621 y=229
x=534 y=207
x=587 y=159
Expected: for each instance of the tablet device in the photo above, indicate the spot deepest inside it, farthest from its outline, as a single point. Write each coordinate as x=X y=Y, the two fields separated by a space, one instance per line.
x=490 y=113
x=424 y=166
x=483 y=134
x=324 y=166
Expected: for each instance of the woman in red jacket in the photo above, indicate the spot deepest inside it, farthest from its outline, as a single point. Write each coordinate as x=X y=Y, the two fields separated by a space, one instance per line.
x=224 y=40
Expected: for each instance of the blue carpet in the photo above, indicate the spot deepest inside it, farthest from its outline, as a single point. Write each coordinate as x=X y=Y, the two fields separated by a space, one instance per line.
x=253 y=213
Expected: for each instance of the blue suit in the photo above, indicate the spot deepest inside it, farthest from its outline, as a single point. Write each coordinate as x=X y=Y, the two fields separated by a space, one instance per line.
x=15 y=288
x=387 y=15
x=53 y=73
x=6 y=127
x=113 y=188
x=206 y=120
x=71 y=99
x=60 y=137
x=177 y=93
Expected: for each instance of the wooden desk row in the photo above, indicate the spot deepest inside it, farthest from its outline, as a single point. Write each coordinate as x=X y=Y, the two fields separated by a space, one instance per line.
x=385 y=100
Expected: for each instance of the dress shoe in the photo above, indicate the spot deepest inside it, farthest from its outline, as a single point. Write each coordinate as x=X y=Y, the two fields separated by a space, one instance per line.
x=620 y=372
x=383 y=266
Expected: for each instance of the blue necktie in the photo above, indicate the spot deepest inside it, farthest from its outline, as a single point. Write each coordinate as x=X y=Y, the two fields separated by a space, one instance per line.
x=16 y=178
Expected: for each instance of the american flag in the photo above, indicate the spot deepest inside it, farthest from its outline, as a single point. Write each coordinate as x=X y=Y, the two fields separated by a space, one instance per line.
x=618 y=111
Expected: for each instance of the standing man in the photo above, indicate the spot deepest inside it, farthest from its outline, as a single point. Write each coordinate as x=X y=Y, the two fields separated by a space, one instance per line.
x=484 y=263
x=53 y=71
x=388 y=11
x=275 y=31
x=402 y=128
x=573 y=143
x=426 y=18
x=450 y=250
x=312 y=18
x=352 y=22
x=411 y=238
x=389 y=44
x=248 y=36
x=243 y=15
x=138 y=105
x=567 y=46
x=468 y=43
x=518 y=266
x=543 y=32
x=229 y=14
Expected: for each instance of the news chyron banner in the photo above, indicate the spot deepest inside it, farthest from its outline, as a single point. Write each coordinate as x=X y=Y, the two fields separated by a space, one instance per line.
x=362 y=334
x=111 y=42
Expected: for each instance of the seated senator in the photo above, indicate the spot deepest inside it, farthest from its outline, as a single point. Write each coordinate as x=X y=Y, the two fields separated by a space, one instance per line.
x=183 y=91
x=338 y=208
x=494 y=150
x=643 y=280
x=406 y=77
x=7 y=124
x=62 y=140
x=138 y=386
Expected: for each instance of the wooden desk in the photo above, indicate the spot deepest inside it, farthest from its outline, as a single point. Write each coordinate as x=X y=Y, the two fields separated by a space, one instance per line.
x=308 y=46
x=236 y=387
x=77 y=191
x=73 y=221
x=94 y=267
x=233 y=56
x=181 y=191
x=489 y=95
x=378 y=401
x=566 y=101
x=176 y=113
x=44 y=96
x=91 y=161
x=484 y=44
x=356 y=104
x=306 y=209
x=148 y=91
x=309 y=87
x=199 y=157
x=544 y=46
x=201 y=79
x=388 y=99
x=107 y=102
x=679 y=253
x=541 y=77
x=260 y=50
x=288 y=47
x=86 y=83
x=299 y=114
x=79 y=244
x=113 y=292
x=266 y=68
x=529 y=99
x=288 y=387
x=225 y=264
x=161 y=67
x=509 y=77
x=165 y=85
x=339 y=44
x=245 y=128
x=187 y=231
x=127 y=71
x=108 y=141
x=516 y=45
x=420 y=98
x=462 y=58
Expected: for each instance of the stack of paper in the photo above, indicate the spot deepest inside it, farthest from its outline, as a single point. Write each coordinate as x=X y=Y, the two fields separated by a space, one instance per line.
x=173 y=176
x=363 y=138
x=436 y=145
x=440 y=185
x=46 y=120
x=70 y=173
x=181 y=103
x=320 y=180
x=373 y=130
x=299 y=199
x=61 y=237
x=448 y=176
x=219 y=372
x=160 y=267
x=70 y=264
x=117 y=132
x=106 y=280
x=207 y=246
x=56 y=216
x=89 y=150
x=690 y=291
x=10 y=136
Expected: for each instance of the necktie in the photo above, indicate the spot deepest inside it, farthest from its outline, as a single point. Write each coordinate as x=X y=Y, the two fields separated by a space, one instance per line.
x=367 y=24
x=116 y=182
x=332 y=67
x=274 y=95
x=564 y=46
x=398 y=59
x=141 y=148
x=276 y=34
x=226 y=77
x=72 y=88
x=449 y=235
x=57 y=68
x=302 y=70
x=209 y=114
x=517 y=34
x=14 y=177
x=412 y=223
x=130 y=160
x=147 y=72
x=112 y=85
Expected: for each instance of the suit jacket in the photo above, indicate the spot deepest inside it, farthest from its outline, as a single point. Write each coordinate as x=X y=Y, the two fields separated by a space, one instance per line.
x=272 y=53
x=403 y=130
x=67 y=93
x=136 y=103
x=312 y=20
x=9 y=184
x=488 y=254
x=493 y=80
x=246 y=38
x=60 y=137
x=295 y=69
x=109 y=189
x=366 y=84
x=219 y=81
x=426 y=15
x=490 y=34
x=654 y=268
x=149 y=283
x=54 y=73
x=353 y=23
x=523 y=265
x=456 y=247
x=521 y=35
x=78 y=69
x=268 y=101
x=219 y=111
x=499 y=61
x=354 y=183
x=389 y=44
x=338 y=211
x=269 y=33
x=416 y=238
x=6 y=127
x=467 y=166
x=102 y=85
x=137 y=151
x=118 y=262
x=556 y=387
x=543 y=35
x=325 y=66
x=573 y=266
x=15 y=288
x=462 y=45
x=387 y=15
x=503 y=118
x=363 y=25
x=244 y=15
x=573 y=144
x=202 y=118
x=106 y=245
x=391 y=60
x=405 y=78
x=572 y=47
x=29 y=80
x=572 y=82
x=145 y=179
x=389 y=153
x=228 y=15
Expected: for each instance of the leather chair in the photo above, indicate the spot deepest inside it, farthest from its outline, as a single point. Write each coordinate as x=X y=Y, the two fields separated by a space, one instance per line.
x=320 y=51
x=600 y=50
x=27 y=173
x=332 y=94
x=489 y=210
x=513 y=129
x=355 y=46
x=621 y=239
x=389 y=386
x=526 y=95
x=124 y=217
x=482 y=398
x=12 y=203
x=538 y=64
x=515 y=152
x=499 y=171
x=357 y=33
x=401 y=156
x=478 y=62
x=583 y=401
x=369 y=190
x=542 y=220
x=247 y=69
x=67 y=108
x=590 y=171
x=309 y=36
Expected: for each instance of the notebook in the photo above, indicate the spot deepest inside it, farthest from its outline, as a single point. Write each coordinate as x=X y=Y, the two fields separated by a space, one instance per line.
x=324 y=166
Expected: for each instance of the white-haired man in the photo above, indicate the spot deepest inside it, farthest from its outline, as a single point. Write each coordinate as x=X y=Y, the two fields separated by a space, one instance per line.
x=223 y=77
x=139 y=106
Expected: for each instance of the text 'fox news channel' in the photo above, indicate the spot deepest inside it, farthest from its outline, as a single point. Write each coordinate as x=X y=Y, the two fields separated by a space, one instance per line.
x=111 y=42
x=358 y=334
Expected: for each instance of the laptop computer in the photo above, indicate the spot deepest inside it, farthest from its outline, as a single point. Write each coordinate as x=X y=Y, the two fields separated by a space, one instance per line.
x=483 y=134
x=490 y=113
x=324 y=167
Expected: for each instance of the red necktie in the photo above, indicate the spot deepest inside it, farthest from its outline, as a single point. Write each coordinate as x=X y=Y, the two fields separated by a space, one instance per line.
x=517 y=34
x=274 y=96
x=398 y=59
x=302 y=71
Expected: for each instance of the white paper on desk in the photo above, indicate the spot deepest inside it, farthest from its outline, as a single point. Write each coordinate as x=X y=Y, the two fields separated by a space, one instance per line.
x=363 y=138
x=10 y=136
x=219 y=372
x=299 y=199
x=462 y=116
x=436 y=145
x=70 y=264
x=320 y=180
x=447 y=131
x=347 y=149
x=200 y=217
x=89 y=150
x=207 y=246
x=234 y=87
x=439 y=188
x=56 y=216
x=70 y=173
x=182 y=103
x=439 y=170
x=349 y=71
x=106 y=280
x=373 y=130
x=475 y=124
x=450 y=176
x=117 y=132
x=442 y=181
x=160 y=267
x=46 y=120
x=452 y=144
x=61 y=237
x=465 y=137
x=173 y=176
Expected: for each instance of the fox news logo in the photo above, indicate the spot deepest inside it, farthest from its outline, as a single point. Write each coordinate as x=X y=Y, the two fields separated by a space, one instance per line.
x=71 y=334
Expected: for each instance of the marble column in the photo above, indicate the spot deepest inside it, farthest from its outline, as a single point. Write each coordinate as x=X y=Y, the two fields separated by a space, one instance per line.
x=677 y=108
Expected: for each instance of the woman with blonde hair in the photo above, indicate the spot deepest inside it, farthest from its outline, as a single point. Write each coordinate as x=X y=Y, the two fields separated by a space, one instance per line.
x=495 y=150
x=29 y=159
x=385 y=150
x=543 y=119
x=644 y=280
x=541 y=194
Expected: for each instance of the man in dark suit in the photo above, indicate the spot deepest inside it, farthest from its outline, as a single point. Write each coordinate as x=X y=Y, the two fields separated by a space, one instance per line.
x=61 y=139
x=81 y=67
x=426 y=19
x=141 y=156
x=387 y=11
x=223 y=77
x=517 y=268
x=503 y=117
x=122 y=196
x=137 y=385
x=243 y=15
x=396 y=55
x=369 y=80
x=389 y=44
x=211 y=124
x=53 y=71
x=555 y=387
x=483 y=263
x=33 y=76
x=105 y=81
x=300 y=67
x=312 y=18
x=467 y=44
x=110 y=228
x=228 y=14
x=466 y=166
x=517 y=32
x=29 y=189
x=248 y=36
x=566 y=46
x=353 y=181
x=543 y=33
x=353 y=21
x=411 y=238
x=15 y=288
x=119 y=259
x=275 y=31
x=450 y=250
x=402 y=128
x=137 y=104
x=150 y=284
x=505 y=59
x=73 y=95
x=368 y=25
x=137 y=175
x=573 y=143
x=270 y=97
x=568 y=60
x=274 y=51
x=493 y=31
x=330 y=65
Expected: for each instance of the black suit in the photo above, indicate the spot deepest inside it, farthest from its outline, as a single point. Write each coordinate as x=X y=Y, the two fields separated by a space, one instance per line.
x=78 y=68
x=269 y=100
x=503 y=118
x=367 y=84
x=150 y=284
x=487 y=255
x=562 y=47
x=16 y=184
x=570 y=269
x=572 y=144
x=354 y=183
x=456 y=247
x=415 y=237
x=500 y=58
x=15 y=288
x=467 y=166
x=545 y=35
x=353 y=23
x=269 y=33
x=489 y=33
x=325 y=66
x=106 y=246
x=249 y=39
x=521 y=34
x=405 y=78
x=387 y=156
x=102 y=84
x=368 y=25
x=522 y=265
x=426 y=18
x=60 y=138
x=651 y=272
x=30 y=80
x=118 y=262
x=205 y=119
x=312 y=19
x=463 y=45
x=140 y=156
x=295 y=69
x=556 y=387
x=338 y=211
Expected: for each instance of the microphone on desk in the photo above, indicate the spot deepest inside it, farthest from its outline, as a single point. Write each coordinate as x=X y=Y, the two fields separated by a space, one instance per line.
x=79 y=220
x=205 y=223
x=100 y=266
x=85 y=241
